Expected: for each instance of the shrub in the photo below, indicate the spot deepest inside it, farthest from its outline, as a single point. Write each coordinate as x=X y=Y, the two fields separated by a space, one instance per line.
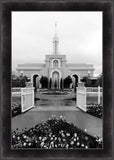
x=67 y=82
x=95 y=110
x=15 y=109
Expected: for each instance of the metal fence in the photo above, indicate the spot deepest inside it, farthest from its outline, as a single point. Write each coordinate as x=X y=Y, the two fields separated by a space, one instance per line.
x=26 y=97
x=87 y=96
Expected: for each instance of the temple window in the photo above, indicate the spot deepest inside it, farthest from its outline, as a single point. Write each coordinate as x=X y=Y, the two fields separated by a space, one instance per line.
x=55 y=64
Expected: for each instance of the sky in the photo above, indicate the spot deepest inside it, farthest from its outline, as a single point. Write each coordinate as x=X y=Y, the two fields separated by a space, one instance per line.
x=79 y=33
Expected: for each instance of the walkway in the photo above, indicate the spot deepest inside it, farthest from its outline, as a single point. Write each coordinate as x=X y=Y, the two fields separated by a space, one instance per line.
x=74 y=115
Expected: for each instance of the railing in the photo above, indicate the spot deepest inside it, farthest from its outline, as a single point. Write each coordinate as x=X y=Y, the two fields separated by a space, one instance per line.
x=27 y=97
x=93 y=89
x=16 y=89
x=87 y=96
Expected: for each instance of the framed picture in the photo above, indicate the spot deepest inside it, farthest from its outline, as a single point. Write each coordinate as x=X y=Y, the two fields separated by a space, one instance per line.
x=56 y=80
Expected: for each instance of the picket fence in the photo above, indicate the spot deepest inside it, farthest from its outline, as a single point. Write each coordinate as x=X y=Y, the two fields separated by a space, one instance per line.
x=84 y=93
x=27 y=97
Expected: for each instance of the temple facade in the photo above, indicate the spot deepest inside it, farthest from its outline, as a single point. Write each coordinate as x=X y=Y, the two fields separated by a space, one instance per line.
x=55 y=68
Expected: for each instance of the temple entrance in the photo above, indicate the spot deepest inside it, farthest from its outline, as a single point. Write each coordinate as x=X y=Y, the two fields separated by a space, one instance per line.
x=55 y=80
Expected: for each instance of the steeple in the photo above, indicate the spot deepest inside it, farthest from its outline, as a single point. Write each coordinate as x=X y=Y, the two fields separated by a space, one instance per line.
x=55 y=42
x=55 y=28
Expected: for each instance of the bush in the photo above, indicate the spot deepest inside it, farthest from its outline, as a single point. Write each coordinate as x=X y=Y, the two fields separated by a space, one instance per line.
x=44 y=82
x=95 y=110
x=19 y=81
x=87 y=81
x=16 y=109
x=67 y=82
x=56 y=132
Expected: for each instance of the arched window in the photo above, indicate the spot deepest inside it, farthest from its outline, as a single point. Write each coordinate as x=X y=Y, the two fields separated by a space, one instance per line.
x=55 y=64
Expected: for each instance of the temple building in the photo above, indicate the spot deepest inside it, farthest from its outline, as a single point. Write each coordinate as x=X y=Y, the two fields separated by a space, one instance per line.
x=55 y=68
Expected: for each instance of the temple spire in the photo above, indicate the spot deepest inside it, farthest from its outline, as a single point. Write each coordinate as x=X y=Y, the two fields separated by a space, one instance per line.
x=55 y=28
x=55 y=41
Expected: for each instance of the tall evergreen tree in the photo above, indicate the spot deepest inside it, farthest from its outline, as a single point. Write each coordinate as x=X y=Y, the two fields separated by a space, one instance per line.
x=67 y=82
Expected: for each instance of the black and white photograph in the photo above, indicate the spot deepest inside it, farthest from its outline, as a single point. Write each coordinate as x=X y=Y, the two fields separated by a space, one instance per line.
x=57 y=80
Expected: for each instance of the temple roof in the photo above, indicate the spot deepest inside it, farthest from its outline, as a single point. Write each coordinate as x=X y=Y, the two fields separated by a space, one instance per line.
x=31 y=65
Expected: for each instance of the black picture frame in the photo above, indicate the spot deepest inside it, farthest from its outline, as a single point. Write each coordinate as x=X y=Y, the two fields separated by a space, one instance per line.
x=40 y=5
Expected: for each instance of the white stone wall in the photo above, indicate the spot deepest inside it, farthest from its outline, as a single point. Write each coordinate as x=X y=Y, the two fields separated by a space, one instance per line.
x=64 y=69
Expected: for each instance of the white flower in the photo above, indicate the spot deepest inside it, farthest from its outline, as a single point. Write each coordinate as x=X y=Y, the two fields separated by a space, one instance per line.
x=55 y=138
x=42 y=144
x=13 y=136
x=24 y=144
x=85 y=130
x=86 y=147
x=52 y=144
x=61 y=145
x=50 y=135
x=59 y=139
x=78 y=143
x=18 y=138
x=63 y=135
x=82 y=145
x=67 y=146
x=29 y=144
x=63 y=140
x=100 y=140
x=40 y=138
x=45 y=146
x=61 y=117
x=71 y=142
x=24 y=136
x=55 y=145
x=75 y=134
x=67 y=134
x=77 y=138
x=74 y=139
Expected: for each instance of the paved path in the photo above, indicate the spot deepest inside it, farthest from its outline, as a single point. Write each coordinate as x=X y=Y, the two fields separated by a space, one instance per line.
x=74 y=115
x=55 y=108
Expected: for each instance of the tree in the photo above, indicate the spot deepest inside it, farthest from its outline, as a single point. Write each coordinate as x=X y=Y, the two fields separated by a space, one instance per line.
x=19 y=81
x=67 y=82
x=44 y=81
x=50 y=83
x=61 y=81
x=100 y=80
x=87 y=81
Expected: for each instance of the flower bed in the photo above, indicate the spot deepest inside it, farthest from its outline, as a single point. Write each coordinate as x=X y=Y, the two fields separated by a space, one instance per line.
x=16 y=109
x=95 y=110
x=56 y=132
